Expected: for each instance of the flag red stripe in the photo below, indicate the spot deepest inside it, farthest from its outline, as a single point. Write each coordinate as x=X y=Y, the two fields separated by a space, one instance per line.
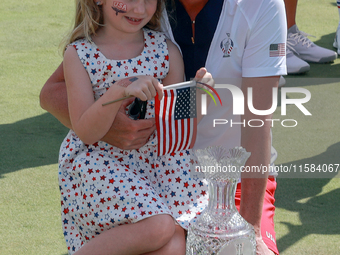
x=157 y=106
x=164 y=124
x=177 y=128
x=182 y=137
x=194 y=133
x=176 y=138
x=187 y=134
x=171 y=121
x=171 y=103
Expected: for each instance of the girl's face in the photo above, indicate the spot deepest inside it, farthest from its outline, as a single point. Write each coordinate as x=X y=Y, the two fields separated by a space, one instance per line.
x=128 y=15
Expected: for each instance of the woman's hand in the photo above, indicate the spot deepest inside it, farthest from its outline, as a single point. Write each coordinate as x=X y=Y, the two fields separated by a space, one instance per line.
x=128 y=134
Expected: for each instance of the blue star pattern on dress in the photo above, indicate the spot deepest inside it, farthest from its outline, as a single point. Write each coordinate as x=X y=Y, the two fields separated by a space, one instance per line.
x=103 y=186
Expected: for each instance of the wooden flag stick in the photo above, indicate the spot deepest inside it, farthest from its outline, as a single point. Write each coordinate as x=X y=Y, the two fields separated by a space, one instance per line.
x=117 y=100
x=177 y=85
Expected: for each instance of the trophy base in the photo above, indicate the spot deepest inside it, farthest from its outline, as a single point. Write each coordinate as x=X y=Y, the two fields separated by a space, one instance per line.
x=221 y=234
x=208 y=245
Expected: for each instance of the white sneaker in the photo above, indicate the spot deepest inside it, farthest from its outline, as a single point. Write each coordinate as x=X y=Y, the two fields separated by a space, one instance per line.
x=306 y=49
x=336 y=43
x=295 y=65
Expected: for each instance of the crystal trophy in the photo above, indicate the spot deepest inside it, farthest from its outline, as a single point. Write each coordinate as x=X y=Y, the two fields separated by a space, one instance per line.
x=220 y=229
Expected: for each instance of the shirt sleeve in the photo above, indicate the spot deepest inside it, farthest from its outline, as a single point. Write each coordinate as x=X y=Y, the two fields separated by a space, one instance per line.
x=265 y=50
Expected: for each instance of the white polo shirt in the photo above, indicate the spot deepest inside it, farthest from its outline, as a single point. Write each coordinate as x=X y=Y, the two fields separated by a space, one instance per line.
x=249 y=41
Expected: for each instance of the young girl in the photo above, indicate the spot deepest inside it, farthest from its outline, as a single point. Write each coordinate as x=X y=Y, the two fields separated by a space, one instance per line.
x=112 y=53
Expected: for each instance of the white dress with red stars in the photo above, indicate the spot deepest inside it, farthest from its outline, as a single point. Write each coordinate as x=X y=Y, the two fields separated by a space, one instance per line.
x=103 y=186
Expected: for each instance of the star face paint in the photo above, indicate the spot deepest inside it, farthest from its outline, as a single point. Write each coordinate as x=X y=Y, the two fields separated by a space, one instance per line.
x=119 y=7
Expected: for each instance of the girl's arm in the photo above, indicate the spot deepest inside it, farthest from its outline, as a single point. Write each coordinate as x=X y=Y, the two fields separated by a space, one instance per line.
x=124 y=133
x=90 y=120
x=176 y=65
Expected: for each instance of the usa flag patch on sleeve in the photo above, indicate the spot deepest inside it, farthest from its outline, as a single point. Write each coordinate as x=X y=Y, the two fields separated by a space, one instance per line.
x=277 y=50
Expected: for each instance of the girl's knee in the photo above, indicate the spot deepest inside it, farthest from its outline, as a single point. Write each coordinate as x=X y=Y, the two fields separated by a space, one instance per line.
x=161 y=229
x=176 y=245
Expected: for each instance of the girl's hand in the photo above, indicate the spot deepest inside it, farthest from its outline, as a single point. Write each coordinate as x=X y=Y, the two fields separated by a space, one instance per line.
x=144 y=87
x=203 y=76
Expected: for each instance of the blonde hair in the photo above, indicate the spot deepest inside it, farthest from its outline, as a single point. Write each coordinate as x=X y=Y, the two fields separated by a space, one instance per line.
x=89 y=17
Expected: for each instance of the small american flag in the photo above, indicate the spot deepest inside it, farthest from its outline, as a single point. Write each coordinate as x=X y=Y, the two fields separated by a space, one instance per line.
x=176 y=120
x=277 y=50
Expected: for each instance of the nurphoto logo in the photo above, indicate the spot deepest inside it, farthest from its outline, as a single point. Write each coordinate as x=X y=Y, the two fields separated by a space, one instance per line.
x=238 y=105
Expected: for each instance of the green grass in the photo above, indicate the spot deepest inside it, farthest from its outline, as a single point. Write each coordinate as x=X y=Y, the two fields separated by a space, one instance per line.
x=306 y=219
x=30 y=32
x=307 y=209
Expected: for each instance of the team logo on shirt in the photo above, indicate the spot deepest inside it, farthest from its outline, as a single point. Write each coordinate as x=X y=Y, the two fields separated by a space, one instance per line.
x=227 y=46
